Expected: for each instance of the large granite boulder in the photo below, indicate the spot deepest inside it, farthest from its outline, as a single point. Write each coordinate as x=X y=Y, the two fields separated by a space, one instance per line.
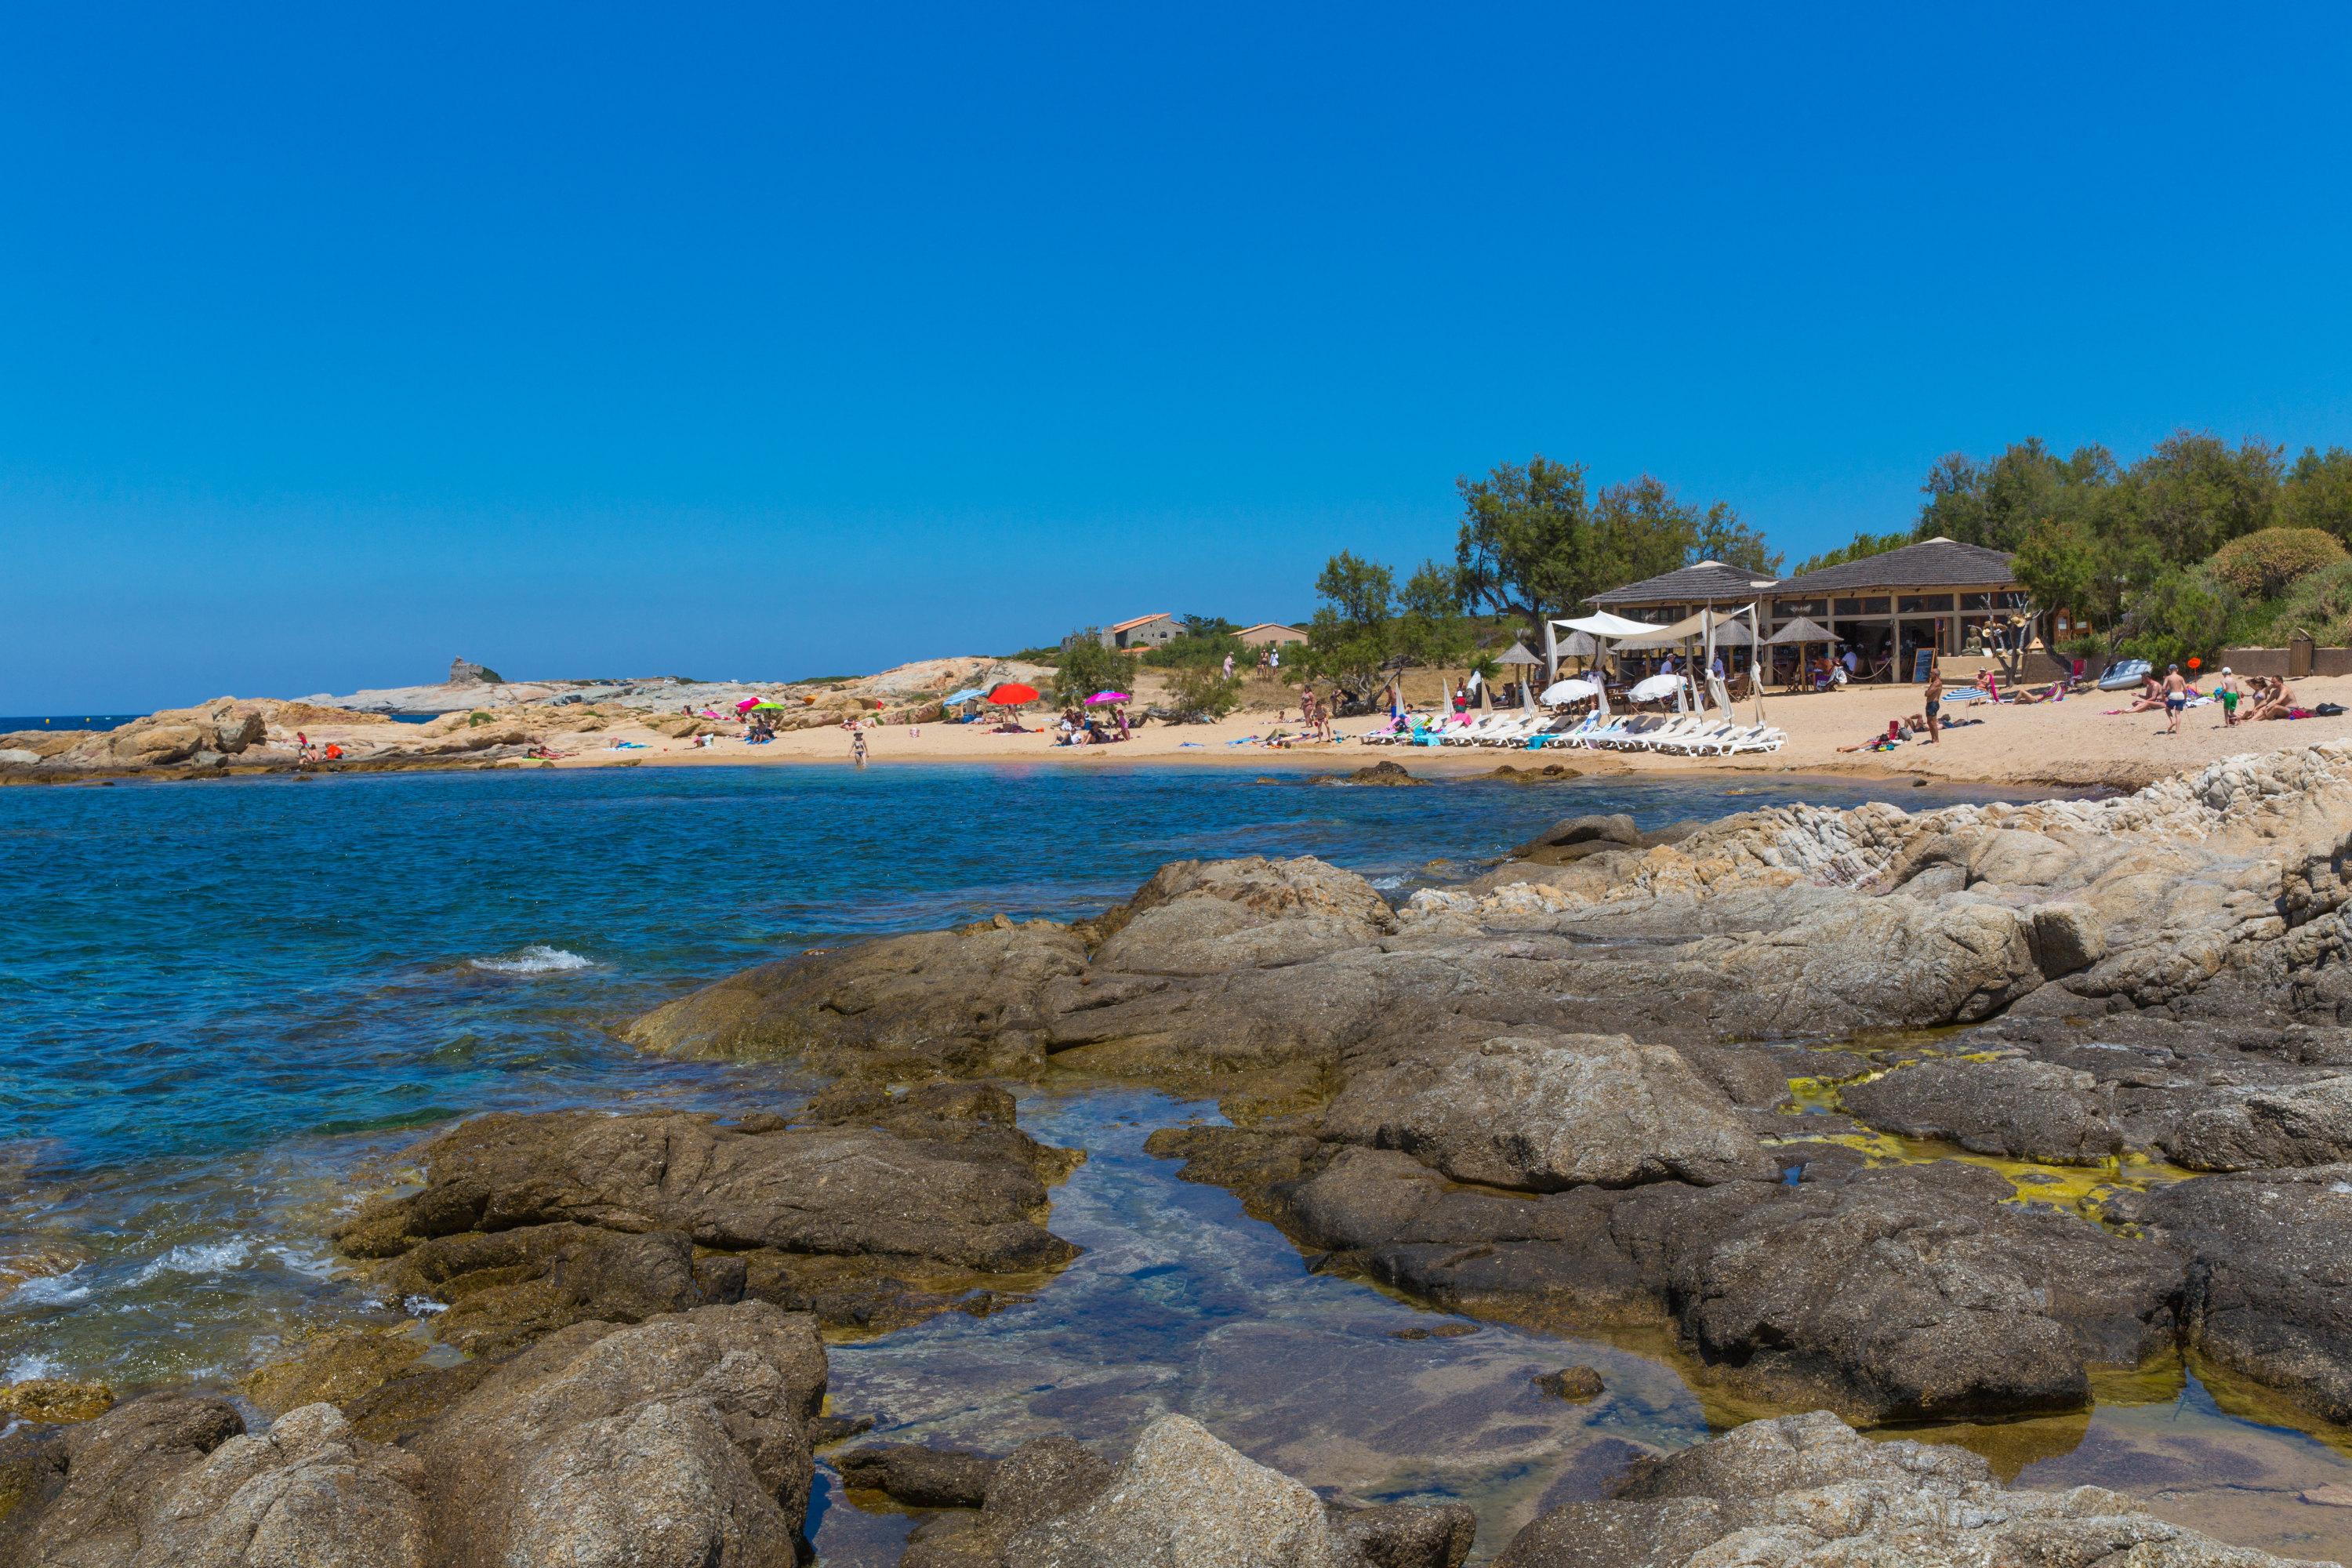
x=87 y=1496
x=2026 y=1109
x=308 y=1492
x=1807 y=1491
x=1184 y=1498
x=1545 y=1112
x=2307 y=1124
x=1181 y=1498
x=680 y=1442
x=969 y=1002
x=873 y=1209
x=669 y=1444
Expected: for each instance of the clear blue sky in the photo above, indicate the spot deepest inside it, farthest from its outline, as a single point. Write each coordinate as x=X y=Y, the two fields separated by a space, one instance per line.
x=783 y=341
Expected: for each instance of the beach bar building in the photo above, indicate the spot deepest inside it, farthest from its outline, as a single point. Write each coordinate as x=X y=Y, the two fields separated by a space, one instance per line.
x=1937 y=595
x=1676 y=596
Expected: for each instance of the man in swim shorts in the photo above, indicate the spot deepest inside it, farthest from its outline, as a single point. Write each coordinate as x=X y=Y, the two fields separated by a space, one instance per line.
x=2176 y=697
x=1935 y=703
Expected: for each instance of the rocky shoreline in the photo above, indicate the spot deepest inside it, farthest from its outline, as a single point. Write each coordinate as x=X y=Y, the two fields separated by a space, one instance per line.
x=1906 y=1117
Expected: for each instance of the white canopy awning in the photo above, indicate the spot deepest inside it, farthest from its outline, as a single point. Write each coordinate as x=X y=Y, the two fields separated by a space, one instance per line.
x=1602 y=624
x=1727 y=630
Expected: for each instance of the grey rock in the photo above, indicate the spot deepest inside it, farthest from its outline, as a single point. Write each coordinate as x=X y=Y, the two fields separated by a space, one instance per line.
x=881 y=1208
x=2025 y=1110
x=2269 y=1284
x=916 y=1476
x=1184 y=1498
x=90 y=1495
x=2293 y=1124
x=306 y=1492
x=669 y=1444
x=1546 y=1112
x=1806 y=1491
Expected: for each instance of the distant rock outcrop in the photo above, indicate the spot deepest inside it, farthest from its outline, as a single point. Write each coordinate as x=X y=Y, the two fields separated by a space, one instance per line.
x=465 y=672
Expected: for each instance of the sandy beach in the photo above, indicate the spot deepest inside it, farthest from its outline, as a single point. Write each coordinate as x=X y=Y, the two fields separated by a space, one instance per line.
x=2074 y=742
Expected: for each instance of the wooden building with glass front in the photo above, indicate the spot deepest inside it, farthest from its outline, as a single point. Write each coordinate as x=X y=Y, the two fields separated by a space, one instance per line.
x=1936 y=594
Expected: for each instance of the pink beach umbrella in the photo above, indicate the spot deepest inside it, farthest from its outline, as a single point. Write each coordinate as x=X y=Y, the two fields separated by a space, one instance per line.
x=747 y=705
x=1109 y=697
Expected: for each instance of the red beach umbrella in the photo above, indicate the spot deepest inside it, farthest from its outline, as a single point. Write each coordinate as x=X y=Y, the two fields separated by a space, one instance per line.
x=1013 y=694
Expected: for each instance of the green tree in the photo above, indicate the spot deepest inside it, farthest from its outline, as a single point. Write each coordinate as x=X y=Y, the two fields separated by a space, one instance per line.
x=1430 y=628
x=1352 y=636
x=1997 y=504
x=2059 y=564
x=1201 y=694
x=2193 y=494
x=1863 y=545
x=1640 y=530
x=1084 y=667
x=2318 y=492
x=1525 y=545
x=2183 y=615
x=1721 y=535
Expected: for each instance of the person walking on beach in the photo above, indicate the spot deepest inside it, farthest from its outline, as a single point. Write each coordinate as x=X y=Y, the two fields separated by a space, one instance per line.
x=2176 y=699
x=1935 y=704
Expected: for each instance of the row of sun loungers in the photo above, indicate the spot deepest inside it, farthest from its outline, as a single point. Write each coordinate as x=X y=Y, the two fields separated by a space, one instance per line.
x=1688 y=733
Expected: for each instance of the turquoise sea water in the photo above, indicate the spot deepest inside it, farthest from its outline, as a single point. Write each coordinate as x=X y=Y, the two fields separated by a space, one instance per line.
x=231 y=1005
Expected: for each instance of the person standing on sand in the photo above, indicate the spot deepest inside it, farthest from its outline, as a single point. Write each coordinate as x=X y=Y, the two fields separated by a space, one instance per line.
x=858 y=747
x=1935 y=703
x=2225 y=692
x=2176 y=699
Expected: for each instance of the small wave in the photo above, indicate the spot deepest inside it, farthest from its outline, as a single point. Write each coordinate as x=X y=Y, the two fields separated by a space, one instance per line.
x=49 y=1290
x=422 y=1306
x=537 y=959
x=198 y=1258
x=1389 y=884
x=30 y=1365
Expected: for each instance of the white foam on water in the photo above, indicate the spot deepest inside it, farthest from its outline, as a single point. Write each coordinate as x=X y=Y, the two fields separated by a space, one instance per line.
x=49 y=1290
x=198 y=1258
x=537 y=959
x=316 y=1265
x=1389 y=884
x=422 y=1306
x=30 y=1365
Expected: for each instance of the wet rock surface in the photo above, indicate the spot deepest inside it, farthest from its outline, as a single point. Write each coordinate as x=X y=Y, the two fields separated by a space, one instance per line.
x=1896 y=1293
x=1807 y=1489
x=871 y=1209
x=2269 y=1282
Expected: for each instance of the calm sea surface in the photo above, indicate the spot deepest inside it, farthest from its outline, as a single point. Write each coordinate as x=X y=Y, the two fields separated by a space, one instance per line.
x=232 y=1004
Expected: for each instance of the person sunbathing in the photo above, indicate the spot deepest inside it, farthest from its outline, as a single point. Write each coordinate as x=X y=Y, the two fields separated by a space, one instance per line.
x=2280 y=703
x=1886 y=742
x=2150 y=699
